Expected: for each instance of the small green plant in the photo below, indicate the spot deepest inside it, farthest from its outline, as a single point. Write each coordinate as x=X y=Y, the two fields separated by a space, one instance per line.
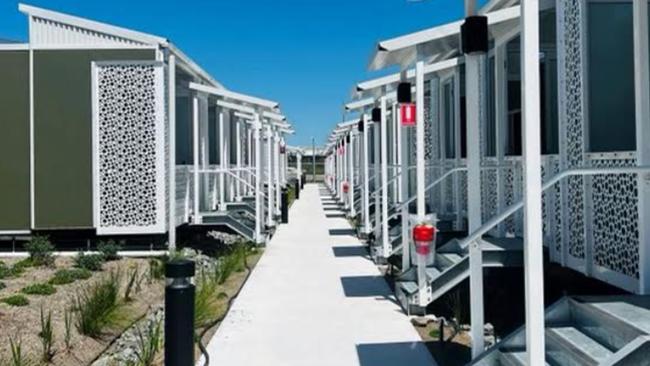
x=66 y=276
x=206 y=305
x=435 y=333
x=47 y=335
x=67 y=322
x=15 y=300
x=91 y=262
x=14 y=271
x=148 y=343
x=96 y=305
x=235 y=261
x=40 y=251
x=2 y=285
x=156 y=269
x=17 y=357
x=44 y=289
x=109 y=250
x=133 y=276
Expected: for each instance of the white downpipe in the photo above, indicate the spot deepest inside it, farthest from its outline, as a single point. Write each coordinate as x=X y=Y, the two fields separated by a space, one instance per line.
x=171 y=117
x=364 y=166
x=269 y=175
x=533 y=246
x=195 y=140
x=385 y=238
x=258 y=178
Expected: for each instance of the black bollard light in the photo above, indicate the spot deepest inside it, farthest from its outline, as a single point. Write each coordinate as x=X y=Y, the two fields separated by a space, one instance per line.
x=302 y=181
x=296 y=188
x=179 y=313
x=285 y=205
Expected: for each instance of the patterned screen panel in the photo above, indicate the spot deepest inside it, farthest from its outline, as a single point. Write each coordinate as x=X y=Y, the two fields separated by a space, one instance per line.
x=129 y=148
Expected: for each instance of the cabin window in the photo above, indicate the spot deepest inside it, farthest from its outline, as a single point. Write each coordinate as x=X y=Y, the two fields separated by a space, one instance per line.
x=513 y=118
x=548 y=90
x=611 y=77
x=463 y=113
x=490 y=128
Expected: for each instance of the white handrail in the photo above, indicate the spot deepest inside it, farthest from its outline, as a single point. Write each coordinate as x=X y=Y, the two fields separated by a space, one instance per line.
x=427 y=188
x=496 y=220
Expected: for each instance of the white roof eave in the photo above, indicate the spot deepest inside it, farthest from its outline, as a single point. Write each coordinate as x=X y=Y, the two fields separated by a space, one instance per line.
x=432 y=43
x=370 y=88
x=237 y=97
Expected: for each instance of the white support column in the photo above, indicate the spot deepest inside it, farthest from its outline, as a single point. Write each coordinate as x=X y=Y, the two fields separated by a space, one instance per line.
x=344 y=169
x=205 y=148
x=473 y=106
x=276 y=172
x=249 y=159
x=351 y=175
x=533 y=249
x=222 y=162
x=257 y=132
x=420 y=176
x=299 y=168
x=195 y=148
x=377 y=177
x=385 y=238
x=400 y=171
x=171 y=118
x=364 y=174
x=395 y=144
x=238 y=184
x=642 y=109
x=419 y=140
x=269 y=176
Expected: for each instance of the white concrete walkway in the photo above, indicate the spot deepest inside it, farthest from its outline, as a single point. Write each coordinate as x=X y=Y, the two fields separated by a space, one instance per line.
x=315 y=299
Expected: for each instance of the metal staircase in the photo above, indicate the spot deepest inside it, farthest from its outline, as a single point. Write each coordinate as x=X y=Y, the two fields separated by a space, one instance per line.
x=610 y=330
x=451 y=266
x=239 y=217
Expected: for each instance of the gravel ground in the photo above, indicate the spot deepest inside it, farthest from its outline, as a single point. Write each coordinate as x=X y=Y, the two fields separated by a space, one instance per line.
x=24 y=322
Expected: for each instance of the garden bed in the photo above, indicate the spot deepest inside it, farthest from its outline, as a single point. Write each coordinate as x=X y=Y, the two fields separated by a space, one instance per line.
x=22 y=324
x=64 y=300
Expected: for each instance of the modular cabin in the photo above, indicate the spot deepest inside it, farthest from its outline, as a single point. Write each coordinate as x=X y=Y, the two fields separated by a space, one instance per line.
x=447 y=141
x=104 y=130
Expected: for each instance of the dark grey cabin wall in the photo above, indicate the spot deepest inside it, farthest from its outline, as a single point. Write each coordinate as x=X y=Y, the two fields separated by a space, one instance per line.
x=62 y=134
x=14 y=140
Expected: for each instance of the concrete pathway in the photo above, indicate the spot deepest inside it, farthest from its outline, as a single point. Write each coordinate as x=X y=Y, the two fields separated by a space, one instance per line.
x=315 y=298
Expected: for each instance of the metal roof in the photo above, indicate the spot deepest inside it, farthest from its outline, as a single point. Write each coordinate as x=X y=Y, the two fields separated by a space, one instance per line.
x=51 y=29
x=437 y=43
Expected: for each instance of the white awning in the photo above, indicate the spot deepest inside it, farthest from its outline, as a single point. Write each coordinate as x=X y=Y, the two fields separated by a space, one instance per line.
x=437 y=43
x=372 y=88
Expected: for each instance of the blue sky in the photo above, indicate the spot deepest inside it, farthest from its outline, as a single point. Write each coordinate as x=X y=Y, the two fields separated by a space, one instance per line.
x=305 y=54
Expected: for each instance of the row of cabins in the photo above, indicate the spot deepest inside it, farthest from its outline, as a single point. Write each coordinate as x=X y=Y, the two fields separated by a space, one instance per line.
x=529 y=146
x=107 y=132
